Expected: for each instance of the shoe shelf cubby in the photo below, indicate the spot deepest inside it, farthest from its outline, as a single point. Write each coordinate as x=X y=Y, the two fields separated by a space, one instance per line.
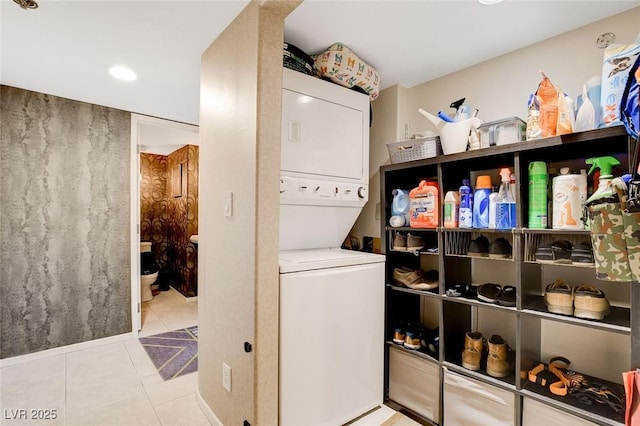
x=600 y=349
x=457 y=242
x=429 y=236
x=533 y=238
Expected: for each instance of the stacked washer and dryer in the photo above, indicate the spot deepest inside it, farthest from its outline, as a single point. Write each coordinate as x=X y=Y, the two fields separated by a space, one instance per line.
x=331 y=300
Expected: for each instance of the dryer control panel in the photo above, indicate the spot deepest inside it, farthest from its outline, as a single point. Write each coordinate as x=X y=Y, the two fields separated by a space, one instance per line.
x=295 y=190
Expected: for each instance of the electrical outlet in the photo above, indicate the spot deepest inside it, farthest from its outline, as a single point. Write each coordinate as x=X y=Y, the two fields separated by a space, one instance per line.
x=226 y=377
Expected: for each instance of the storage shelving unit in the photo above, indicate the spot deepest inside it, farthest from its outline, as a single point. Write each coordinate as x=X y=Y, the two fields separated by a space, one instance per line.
x=533 y=333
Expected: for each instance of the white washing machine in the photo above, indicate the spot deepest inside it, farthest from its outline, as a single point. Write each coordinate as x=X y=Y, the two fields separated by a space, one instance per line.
x=331 y=300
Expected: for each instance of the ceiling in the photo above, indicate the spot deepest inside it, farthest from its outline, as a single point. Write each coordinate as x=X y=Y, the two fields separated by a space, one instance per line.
x=65 y=48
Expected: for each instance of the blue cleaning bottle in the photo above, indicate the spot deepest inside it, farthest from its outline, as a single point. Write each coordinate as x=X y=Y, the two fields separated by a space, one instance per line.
x=481 y=202
x=506 y=204
x=465 y=214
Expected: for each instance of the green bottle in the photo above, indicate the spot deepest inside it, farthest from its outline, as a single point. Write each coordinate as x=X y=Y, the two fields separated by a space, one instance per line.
x=538 y=180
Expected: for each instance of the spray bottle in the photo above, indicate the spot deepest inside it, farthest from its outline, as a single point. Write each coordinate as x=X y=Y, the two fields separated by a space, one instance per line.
x=506 y=204
x=605 y=164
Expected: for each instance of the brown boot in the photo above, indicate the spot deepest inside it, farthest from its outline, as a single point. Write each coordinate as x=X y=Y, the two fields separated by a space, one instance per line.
x=499 y=359
x=472 y=353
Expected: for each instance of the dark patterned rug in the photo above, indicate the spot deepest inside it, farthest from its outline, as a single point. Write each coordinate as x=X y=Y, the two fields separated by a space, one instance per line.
x=174 y=353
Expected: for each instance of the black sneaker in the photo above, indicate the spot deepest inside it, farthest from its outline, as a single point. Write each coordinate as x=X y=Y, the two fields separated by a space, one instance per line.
x=561 y=251
x=582 y=255
x=431 y=340
x=557 y=252
x=544 y=254
x=479 y=247
x=500 y=249
x=489 y=292
x=507 y=296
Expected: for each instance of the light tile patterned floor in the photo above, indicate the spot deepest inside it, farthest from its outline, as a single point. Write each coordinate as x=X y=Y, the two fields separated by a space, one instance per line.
x=116 y=384
x=112 y=384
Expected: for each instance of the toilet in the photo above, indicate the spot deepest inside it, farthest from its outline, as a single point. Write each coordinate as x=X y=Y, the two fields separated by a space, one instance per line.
x=148 y=271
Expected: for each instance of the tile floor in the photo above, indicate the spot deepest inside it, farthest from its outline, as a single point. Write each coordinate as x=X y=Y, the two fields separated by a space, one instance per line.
x=115 y=384
x=110 y=384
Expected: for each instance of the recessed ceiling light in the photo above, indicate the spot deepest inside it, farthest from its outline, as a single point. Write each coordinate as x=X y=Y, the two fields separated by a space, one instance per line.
x=489 y=1
x=122 y=73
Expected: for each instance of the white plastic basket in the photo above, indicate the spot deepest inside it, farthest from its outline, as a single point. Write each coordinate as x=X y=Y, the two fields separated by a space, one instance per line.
x=414 y=149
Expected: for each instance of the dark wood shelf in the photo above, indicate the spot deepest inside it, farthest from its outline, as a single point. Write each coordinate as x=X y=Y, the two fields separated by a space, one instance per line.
x=618 y=320
x=420 y=353
x=525 y=328
x=601 y=413
x=508 y=382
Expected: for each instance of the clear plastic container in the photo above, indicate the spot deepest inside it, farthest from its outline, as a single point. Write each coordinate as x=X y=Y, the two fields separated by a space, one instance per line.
x=502 y=132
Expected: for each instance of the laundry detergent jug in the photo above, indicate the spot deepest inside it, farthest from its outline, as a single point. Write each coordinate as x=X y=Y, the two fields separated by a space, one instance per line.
x=399 y=208
x=424 y=205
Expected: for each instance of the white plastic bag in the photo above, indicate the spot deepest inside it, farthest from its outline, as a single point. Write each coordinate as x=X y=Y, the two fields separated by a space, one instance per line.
x=586 y=116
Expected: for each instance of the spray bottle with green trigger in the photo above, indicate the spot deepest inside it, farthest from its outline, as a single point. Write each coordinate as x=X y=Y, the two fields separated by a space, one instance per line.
x=605 y=164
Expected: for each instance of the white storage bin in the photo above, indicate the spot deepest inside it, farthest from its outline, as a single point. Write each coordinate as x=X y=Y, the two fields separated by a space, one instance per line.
x=535 y=413
x=469 y=402
x=415 y=383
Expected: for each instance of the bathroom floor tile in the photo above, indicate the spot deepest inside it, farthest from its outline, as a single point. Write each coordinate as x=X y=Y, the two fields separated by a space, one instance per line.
x=95 y=391
x=161 y=392
x=178 y=320
x=98 y=361
x=136 y=411
x=182 y=411
x=141 y=361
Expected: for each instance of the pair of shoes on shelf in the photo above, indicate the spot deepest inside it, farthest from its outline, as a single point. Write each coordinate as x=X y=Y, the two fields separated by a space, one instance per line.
x=416 y=279
x=563 y=252
x=583 y=301
x=462 y=290
x=499 y=359
x=494 y=293
x=415 y=337
x=498 y=249
x=407 y=336
x=407 y=242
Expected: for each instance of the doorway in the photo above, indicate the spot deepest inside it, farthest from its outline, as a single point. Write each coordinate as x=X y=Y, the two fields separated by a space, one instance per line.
x=164 y=176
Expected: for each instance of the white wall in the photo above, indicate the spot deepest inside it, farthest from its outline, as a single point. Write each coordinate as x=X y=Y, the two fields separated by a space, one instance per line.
x=499 y=88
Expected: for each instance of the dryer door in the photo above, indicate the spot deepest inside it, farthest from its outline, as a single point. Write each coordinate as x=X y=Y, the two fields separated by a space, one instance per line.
x=321 y=137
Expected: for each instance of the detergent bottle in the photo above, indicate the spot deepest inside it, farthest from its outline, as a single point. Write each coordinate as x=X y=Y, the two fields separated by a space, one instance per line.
x=451 y=209
x=423 y=210
x=604 y=190
x=465 y=213
x=506 y=204
x=399 y=208
x=481 y=202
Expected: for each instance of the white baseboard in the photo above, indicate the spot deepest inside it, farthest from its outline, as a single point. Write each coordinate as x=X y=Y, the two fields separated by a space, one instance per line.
x=186 y=299
x=213 y=419
x=7 y=362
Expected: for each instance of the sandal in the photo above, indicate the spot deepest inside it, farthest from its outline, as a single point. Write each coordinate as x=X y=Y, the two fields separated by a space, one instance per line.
x=599 y=394
x=555 y=376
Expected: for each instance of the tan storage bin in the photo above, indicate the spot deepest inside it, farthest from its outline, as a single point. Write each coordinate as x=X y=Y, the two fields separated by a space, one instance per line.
x=535 y=413
x=471 y=402
x=415 y=383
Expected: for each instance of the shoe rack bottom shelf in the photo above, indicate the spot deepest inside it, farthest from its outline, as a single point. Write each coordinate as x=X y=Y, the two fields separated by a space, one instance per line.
x=600 y=412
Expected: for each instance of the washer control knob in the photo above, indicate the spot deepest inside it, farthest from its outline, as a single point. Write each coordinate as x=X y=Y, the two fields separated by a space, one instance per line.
x=361 y=192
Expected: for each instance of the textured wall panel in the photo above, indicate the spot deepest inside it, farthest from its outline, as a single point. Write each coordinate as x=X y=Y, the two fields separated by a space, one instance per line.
x=153 y=204
x=167 y=220
x=64 y=222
